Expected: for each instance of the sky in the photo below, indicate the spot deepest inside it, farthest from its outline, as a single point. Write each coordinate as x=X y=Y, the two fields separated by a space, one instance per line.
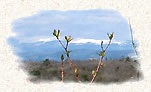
x=83 y=25
x=34 y=34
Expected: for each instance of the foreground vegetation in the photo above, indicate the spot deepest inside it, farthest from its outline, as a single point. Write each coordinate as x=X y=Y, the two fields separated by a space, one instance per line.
x=112 y=71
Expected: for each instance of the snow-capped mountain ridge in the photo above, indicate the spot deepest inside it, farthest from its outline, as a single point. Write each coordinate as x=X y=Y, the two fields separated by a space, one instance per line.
x=83 y=51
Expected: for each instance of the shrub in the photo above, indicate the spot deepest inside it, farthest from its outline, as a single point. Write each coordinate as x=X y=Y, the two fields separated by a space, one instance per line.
x=84 y=77
x=46 y=62
x=35 y=73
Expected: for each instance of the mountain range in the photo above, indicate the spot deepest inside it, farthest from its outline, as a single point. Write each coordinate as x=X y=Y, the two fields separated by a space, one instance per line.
x=52 y=50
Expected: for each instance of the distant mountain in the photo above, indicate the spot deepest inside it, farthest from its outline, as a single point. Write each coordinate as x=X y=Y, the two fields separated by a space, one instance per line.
x=41 y=50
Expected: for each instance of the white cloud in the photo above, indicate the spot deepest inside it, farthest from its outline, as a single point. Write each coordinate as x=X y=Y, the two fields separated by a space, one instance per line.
x=97 y=42
x=45 y=39
x=75 y=41
x=82 y=41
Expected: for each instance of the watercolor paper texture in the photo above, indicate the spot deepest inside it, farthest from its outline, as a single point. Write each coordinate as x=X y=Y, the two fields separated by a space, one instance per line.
x=26 y=25
x=92 y=34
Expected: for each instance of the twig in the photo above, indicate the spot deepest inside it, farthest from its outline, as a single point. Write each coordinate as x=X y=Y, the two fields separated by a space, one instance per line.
x=94 y=76
x=61 y=43
x=101 y=57
x=102 y=46
x=70 y=62
x=62 y=66
x=108 y=45
x=132 y=38
x=73 y=69
x=134 y=46
x=67 y=52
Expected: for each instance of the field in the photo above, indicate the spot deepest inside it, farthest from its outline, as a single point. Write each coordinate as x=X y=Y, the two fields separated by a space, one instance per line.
x=117 y=71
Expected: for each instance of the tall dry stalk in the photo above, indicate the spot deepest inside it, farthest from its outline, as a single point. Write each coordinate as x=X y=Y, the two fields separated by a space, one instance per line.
x=132 y=39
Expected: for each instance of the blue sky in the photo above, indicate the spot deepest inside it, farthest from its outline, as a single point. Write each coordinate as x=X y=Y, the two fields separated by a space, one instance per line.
x=80 y=24
x=34 y=39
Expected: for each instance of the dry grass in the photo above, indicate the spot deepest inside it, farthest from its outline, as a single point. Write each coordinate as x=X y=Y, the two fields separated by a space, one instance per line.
x=113 y=71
